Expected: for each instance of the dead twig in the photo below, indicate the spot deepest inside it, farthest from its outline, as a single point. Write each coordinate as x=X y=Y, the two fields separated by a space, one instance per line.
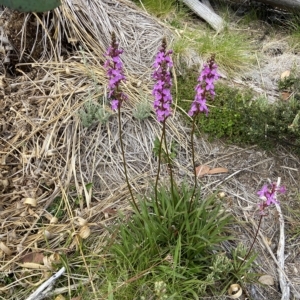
x=44 y=289
x=284 y=285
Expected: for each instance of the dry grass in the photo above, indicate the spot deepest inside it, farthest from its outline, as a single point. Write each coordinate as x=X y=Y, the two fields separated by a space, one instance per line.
x=47 y=156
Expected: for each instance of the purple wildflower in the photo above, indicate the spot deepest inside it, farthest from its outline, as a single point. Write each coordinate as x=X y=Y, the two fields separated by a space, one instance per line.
x=205 y=88
x=163 y=83
x=268 y=195
x=115 y=74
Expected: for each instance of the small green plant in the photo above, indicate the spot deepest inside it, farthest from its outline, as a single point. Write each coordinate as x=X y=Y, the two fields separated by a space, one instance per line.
x=95 y=108
x=31 y=5
x=92 y=113
x=142 y=110
x=232 y=50
x=172 y=152
x=239 y=270
x=160 y=289
x=57 y=208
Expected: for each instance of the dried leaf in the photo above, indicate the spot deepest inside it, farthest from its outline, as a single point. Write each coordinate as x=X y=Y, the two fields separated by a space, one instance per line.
x=33 y=257
x=285 y=74
x=235 y=291
x=217 y=171
x=202 y=170
x=50 y=260
x=266 y=279
x=221 y=195
x=81 y=221
x=54 y=220
x=285 y=96
x=84 y=232
x=30 y=201
x=5 y=249
x=109 y=212
x=49 y=235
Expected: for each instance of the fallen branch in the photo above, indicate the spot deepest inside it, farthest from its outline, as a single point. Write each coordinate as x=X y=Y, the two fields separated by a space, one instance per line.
x=206 y=13
x=44 y=289
x=284 y=286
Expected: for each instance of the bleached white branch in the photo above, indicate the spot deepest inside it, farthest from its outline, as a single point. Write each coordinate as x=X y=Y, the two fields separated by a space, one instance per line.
x=206 y=13
x=42 y=291
x=284 y=286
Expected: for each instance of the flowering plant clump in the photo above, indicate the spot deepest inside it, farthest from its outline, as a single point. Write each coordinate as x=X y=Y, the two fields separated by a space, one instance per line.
x=268 y=195
x=174 y=208
x=205 y=88
x=163 y=83
x=114 y=67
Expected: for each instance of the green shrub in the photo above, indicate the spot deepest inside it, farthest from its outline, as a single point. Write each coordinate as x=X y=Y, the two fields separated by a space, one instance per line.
x=240 y=118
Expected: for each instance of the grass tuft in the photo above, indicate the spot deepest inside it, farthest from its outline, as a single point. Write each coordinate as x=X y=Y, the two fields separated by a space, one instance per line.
x=232 y=49
x=169 y=247
x=159 y=8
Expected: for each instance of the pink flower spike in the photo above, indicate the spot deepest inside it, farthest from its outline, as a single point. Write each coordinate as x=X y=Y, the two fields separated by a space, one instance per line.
x=268 y=195
x=115 y=74
x=162 y=87
x=205 y=88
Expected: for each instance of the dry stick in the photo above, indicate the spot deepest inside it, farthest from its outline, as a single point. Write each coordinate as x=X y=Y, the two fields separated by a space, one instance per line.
x=66 y=289
x=124 y=160
x=42 y=291
x=284 y=286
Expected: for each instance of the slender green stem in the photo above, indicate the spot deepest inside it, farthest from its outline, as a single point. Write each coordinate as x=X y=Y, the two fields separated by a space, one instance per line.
x=124 y=160
x=194 y=164
x=159 y=164
x=169 y=162
x=258 y=227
